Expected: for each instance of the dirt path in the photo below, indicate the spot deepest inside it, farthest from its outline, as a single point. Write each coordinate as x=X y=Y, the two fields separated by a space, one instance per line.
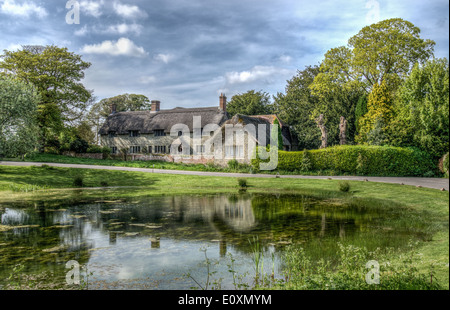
x=437 y=183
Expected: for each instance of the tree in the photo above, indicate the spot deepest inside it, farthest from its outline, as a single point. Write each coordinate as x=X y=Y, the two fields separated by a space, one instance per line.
x=380 y=112
x=423 y=108
x=56 y=75
x=276 y=134
x=360 y=110
x=296 y=105
x=385 y=51
x=18 y=128
x=85 y=132
x=99 y=111
x=250 y=103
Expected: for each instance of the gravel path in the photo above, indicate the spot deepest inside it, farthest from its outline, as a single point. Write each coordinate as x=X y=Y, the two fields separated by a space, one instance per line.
x=437 y=183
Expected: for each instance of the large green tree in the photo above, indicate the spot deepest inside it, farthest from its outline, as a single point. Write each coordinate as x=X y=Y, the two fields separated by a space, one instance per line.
x=18 y=124
x=423 y=108
x=56 y=74
x=296 y=105
x=384 y=51
x=250 y=103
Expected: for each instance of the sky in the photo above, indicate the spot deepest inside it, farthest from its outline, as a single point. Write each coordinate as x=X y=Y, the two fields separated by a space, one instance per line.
x=185 y=53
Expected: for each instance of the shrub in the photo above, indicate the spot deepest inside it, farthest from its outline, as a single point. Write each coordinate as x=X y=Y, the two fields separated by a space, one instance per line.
x=106 y=152
x=359 y=159
x=242 y=183
x=306 y=164
x=233 y=164
x=79 y=146
x=344 y=186
x=445 y=163
x=94 y=149
x=78 y=181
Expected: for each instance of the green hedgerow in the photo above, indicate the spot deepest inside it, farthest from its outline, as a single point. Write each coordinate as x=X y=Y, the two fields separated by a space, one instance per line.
x=358 y=160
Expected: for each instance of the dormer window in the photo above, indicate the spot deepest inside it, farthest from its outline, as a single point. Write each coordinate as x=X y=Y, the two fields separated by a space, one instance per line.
x=159 y=133
x=134 y=133
x=112 y=134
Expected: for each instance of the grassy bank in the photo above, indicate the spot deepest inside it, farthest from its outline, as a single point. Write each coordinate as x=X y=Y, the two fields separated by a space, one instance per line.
x=51 y=184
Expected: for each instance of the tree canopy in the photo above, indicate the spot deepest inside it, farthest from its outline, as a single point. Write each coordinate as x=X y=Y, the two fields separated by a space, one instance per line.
x=384 y=51
x=56 y=75
x=18 y=109
x=250 y=103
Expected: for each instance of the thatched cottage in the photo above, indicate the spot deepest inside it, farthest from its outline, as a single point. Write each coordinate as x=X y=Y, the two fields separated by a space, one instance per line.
x=148 y=133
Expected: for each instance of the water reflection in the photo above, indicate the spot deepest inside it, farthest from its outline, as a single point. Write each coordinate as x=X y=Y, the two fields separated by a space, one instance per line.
x=158 y=239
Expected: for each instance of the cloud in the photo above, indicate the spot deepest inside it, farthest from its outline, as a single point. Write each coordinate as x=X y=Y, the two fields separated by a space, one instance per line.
x=285 y=59
x=147 y=79
x=165 y=58
x=25 y=9
x=92 y=8
x=81 y=32
x=254 y=74
x=120 y=29
x=124 y=29
x=121 y=47
x=128 y=11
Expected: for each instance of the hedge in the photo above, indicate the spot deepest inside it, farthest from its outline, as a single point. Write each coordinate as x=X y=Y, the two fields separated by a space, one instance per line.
x=358 y=160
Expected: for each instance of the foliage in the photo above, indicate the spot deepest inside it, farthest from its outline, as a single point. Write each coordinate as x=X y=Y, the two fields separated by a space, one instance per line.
x=94 y=149
x=445 y=164
x=55 y=72
x=385 y=51
x=84 y=131
x=380 y=112
x=56 y=75
x=276 y=134
x=79 y=145
x=349 y=273
x=78 y=181
x=296 y=106
x=306 y=164
x=250 y=103
x=344 y=186
x=242 y=183
x=18 y=127
x=359 y=159
x=423 y=108
x=360 y=110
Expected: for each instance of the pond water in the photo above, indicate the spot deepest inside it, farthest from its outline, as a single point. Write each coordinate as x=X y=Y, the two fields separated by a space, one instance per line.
x=175 y=242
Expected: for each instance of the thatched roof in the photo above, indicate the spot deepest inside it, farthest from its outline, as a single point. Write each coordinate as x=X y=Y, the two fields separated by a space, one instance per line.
x=146 y=121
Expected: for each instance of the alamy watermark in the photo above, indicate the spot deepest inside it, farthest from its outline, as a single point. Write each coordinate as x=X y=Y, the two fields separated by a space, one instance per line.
x=373 y=276
x=73 y=15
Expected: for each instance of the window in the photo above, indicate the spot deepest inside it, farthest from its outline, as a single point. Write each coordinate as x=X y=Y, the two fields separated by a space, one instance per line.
x=150 y=149
x=200 y=149
x=112 y=134
x=234 y=151
x=134 y=133
x=160 y=149
x=159 y=133
x=135 y=149
x=114 y=150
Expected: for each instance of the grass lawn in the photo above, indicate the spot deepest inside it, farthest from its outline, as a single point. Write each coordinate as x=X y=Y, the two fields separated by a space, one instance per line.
x=50 y=183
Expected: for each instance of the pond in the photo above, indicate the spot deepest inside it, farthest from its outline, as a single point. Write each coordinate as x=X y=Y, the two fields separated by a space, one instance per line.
x=184 y=242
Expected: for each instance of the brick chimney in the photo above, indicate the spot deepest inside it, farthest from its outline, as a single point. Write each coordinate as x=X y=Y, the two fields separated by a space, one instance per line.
x=156 y=106
x=113 y=108
x=223 y=102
